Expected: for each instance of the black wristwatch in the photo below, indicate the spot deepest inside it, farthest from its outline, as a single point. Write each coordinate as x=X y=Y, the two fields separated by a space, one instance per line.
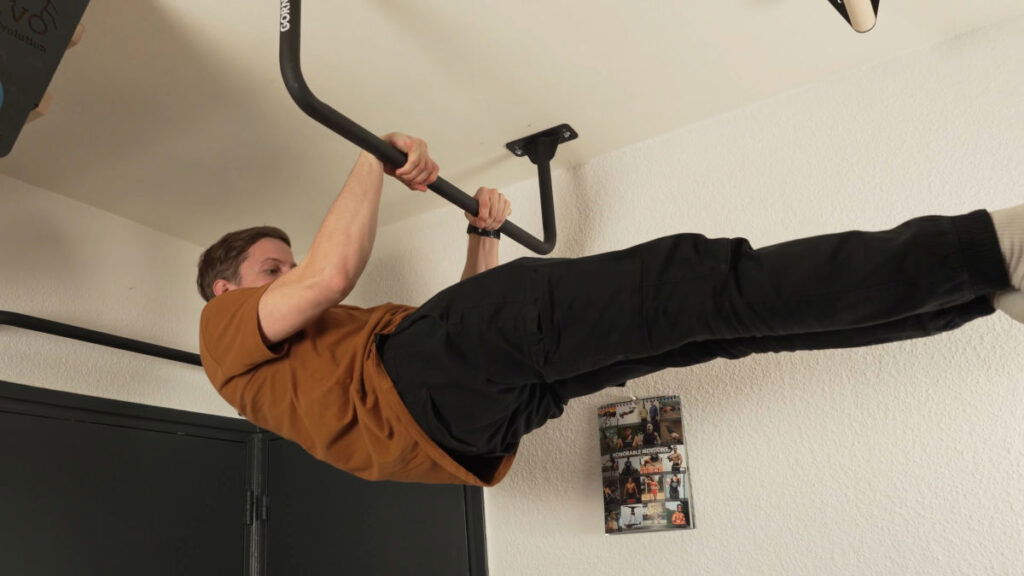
x=483 y=232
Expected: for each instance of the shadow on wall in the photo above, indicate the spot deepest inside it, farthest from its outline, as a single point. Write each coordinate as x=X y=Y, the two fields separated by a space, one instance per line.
x=42 y=251
x=79 y=265
x=582 y=215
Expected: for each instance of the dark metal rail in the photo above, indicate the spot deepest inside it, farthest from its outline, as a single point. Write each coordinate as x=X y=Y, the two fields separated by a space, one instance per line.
x=291 y=71
x=93 y=337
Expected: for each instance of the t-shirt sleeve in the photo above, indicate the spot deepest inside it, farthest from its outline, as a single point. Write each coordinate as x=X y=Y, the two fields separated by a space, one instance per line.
x=229 y=335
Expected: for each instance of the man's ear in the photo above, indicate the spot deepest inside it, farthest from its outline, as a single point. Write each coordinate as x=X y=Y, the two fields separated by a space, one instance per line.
x=221 y=286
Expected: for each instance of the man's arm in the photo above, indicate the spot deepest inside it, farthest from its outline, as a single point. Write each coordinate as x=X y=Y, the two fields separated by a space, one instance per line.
x=481 y=251
x=342 y=245
x=481 y=255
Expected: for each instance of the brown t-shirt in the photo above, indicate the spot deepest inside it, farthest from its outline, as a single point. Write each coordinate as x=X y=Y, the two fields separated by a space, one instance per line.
x=326 y=389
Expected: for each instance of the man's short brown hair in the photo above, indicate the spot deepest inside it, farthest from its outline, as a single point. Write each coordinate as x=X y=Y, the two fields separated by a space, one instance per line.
x=223 y=258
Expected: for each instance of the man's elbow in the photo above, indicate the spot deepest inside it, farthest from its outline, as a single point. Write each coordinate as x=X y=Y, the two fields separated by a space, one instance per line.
x=338 y=286
x=330 y=284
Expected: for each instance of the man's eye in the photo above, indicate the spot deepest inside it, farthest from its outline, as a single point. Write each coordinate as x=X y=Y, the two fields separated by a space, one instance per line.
x=273 y=271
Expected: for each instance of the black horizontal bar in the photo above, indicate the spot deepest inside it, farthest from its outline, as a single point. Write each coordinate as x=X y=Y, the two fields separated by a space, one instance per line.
x=291 y=71
x=93 y=337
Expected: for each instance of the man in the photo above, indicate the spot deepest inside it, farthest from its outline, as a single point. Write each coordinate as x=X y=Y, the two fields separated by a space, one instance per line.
x=631 y=491
x=628 y=470
x=676 y=458
x=650 y=437
x=673 y=487
x=678 y=518
x=628 y=440
x=444 y=392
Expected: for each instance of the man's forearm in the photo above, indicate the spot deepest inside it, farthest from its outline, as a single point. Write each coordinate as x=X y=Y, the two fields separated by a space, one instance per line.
x=342 y=245
x=481 y=255
x=335 y=260
x=482 y=251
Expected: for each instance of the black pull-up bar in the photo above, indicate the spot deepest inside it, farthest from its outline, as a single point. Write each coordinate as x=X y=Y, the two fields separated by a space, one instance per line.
x=93 y=337
x=539 y=147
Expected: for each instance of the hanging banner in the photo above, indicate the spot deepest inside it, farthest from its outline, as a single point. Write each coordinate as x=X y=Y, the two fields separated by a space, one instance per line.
x=644 y=469
x=33 y=37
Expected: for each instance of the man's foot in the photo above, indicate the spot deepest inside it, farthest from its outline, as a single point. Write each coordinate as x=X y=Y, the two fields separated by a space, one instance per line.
x=1011 y=303
x=1009 y=224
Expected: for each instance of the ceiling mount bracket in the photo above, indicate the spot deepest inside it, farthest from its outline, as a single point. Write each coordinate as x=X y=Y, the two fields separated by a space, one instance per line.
x=540 y=149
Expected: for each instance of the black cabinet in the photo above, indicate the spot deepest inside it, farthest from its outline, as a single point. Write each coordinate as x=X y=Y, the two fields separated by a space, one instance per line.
x=92 y=486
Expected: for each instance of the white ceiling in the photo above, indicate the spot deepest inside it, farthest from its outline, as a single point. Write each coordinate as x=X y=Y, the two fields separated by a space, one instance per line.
x=172 y=113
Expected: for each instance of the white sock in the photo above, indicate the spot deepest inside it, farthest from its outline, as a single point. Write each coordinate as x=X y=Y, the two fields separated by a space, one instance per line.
x=1011 y=303
x=1009 y=224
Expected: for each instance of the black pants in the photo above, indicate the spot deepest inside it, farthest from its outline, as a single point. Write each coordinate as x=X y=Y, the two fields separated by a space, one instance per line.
x=495 y=356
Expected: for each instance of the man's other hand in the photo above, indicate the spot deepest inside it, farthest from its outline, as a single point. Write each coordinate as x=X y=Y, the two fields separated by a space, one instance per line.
x=494 y=209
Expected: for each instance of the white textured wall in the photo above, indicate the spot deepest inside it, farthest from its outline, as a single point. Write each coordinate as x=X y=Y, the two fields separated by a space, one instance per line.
x=903 y=459
x=896 y=460
x=64 y=261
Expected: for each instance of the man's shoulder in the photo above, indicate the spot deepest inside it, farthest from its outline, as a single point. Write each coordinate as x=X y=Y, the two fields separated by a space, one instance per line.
x=233 y=298
x=229 y=334
x=230 y=307
x=226 y=315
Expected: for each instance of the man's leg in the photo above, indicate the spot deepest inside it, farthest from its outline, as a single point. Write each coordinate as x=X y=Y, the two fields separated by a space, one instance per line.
x=917 y=326
x=492 y=417
x=666 y=293
x=477 y=356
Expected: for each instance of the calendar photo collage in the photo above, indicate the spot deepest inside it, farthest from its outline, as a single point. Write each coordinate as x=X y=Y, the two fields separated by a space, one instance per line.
x=644 y=466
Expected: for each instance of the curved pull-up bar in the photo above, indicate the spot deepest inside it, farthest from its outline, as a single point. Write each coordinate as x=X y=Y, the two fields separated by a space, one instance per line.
x=540 y=153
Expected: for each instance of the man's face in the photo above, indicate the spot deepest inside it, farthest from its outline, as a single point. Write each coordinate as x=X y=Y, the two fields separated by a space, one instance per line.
x=265 y=261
